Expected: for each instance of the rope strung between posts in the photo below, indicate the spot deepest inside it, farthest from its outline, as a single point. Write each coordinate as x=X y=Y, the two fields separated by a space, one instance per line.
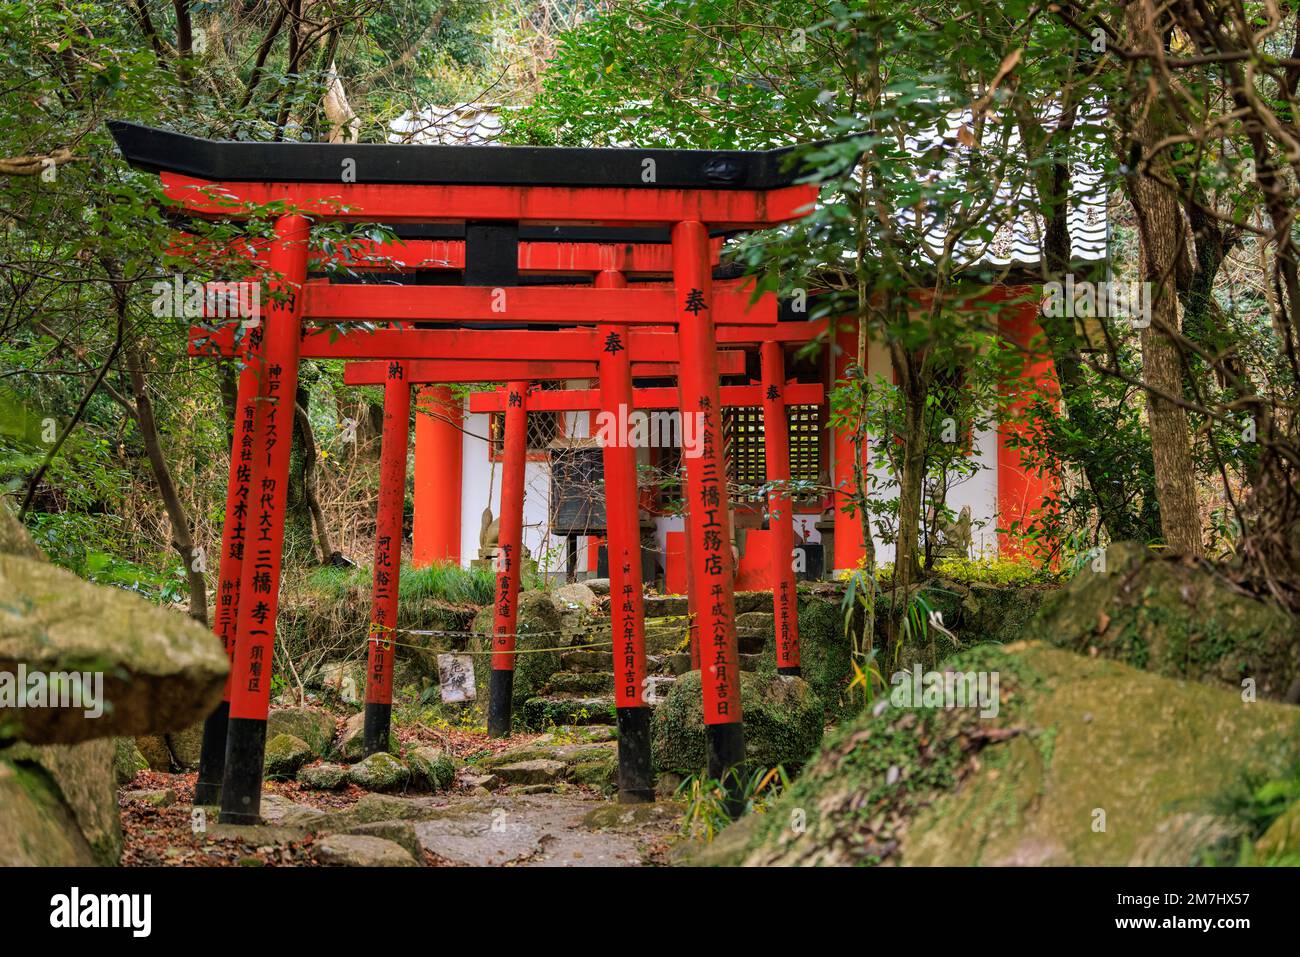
x=444 y=633
x=516 y=651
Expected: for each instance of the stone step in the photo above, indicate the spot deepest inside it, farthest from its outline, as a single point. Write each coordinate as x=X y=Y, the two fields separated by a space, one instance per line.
x=678 y=665
x=665 y=635
x=535 y=771
x=756 y=619
x=588 y=659
x=542 y=712
x=662 y=606
x=581 y=682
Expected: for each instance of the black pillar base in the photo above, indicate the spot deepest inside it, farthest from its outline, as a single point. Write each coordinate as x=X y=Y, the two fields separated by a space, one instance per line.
x=379 y=718
x=500 y=693
x=635 y=781
x=241 y=788
x=212 y=759
x=794 y=672
x=725 y=748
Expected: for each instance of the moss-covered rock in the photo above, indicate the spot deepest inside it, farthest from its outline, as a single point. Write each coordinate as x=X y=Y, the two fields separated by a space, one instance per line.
x=388 y=807
x=345 y=680
x=1088 y=762
x=313 y=726
x=666 y=635
x=538 y=626
x=285 y=754
x=784 y=720
x=162 y=671
x=825 y=654
x=127 y=761
x=549 y=711
x=186 y=747
x=323 y=776
x=361 y=850
x=431 y=768
x=401 y=833
x=153 y=748
x=351 y=745
x=601 y=773
x=58 y=805
x=1175 y=618
x=380 y=772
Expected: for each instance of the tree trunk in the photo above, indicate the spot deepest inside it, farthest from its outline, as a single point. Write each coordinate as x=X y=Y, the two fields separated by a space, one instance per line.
x=182 y=538
x=307 y=442
x=913 y=387
x=1163 y=253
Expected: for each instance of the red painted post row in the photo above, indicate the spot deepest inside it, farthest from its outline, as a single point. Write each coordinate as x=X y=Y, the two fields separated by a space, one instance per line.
x=259 y=580
x=776 y=442
x=708 y=506
x=234 y=537
x=509 y=561
x=388 y=557
x=626 y=598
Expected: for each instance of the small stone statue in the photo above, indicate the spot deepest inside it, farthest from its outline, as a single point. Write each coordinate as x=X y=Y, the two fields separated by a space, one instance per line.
x=954 y=537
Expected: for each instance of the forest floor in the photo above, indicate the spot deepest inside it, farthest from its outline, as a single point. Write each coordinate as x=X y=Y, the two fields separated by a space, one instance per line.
x=463 y=826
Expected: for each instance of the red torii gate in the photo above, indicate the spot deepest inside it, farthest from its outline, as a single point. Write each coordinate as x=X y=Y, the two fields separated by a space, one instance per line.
x=773 y=395
x=397 y=377
x=686 y=190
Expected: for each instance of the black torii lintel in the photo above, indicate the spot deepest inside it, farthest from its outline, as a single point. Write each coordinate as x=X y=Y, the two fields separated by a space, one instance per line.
x=158 y=151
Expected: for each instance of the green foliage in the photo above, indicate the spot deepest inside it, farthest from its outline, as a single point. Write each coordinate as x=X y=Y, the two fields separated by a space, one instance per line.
x=710 y=802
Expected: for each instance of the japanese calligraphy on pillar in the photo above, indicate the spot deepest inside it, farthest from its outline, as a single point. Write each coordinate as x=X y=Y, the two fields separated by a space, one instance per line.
x=629 y=671
x=388 y=535
x=236 y=524
x=717 y=609
x=250 y=698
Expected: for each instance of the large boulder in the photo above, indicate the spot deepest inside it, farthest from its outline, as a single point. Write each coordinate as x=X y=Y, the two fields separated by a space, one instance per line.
x=285 y=754
x=380 y=772
x=1087 y=762
x=58 y=805
x=1176 y=617
x=161 y=671
x=314 y=727
x=362 y=850
x=784 y=720
x=186 y=747
x=825 y=653
x=351 y=745
x=431 y=768
x=538 y=626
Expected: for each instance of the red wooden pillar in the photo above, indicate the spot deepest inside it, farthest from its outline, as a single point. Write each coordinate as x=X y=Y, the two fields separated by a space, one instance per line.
x=849 y=547
x=435 y=522
x=776 y=443
x=509 y=560
x=259 y=580
x=692 y=606
x=212 y=757
x=388 y=557
x=1022 y=489
x=627 y=602
x=706 y=500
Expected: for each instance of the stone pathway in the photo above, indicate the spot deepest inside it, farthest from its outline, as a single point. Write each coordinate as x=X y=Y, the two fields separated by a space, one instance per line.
x=549 y=830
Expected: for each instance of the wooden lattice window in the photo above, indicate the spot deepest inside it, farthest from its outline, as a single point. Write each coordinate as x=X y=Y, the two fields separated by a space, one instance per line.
x=805 y=442
x=742 y=437
x=543 y=429
x=746 y=444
